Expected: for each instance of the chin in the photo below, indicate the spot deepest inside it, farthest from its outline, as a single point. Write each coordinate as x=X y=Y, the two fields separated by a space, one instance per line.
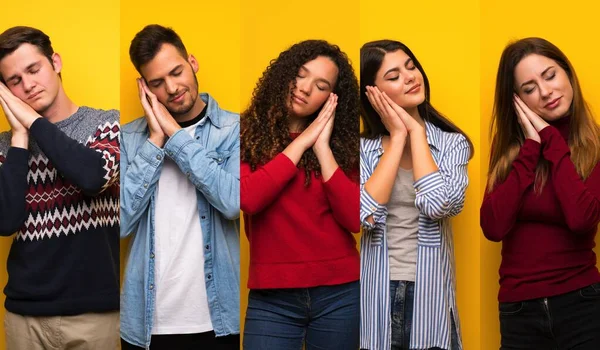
x=554 y=115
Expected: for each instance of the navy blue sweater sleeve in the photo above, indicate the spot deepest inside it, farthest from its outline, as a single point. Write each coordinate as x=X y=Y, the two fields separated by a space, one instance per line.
x=93 y=169
x=13 y=189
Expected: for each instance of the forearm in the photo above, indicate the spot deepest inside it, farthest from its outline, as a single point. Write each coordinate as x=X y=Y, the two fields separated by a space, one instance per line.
x=379 y=185
x=423 y=163
x=13 y=190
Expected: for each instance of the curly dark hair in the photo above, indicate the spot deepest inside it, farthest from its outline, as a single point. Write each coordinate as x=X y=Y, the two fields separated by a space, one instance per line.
x=264 y=125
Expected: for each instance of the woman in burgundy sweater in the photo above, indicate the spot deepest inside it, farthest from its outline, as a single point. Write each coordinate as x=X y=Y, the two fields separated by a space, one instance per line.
x=543 y=201
x=300 y=197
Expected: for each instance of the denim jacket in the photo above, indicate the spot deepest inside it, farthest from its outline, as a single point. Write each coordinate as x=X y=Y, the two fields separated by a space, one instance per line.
x=211 y=160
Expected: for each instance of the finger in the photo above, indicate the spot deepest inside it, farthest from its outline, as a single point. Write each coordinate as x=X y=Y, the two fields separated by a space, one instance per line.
x=4 y=91
x=326 y=110
x=388 y=108
x=524 y=108
x=523 y=120
x=9 y=114
x=399 y=110
x=4 y=106
x=375 y=102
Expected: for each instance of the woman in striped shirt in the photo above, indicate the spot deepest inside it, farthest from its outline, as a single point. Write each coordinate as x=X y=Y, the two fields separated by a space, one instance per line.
x=413 y=179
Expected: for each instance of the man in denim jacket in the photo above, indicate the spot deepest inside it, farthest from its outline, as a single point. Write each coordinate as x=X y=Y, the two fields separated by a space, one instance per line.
x=180 y=204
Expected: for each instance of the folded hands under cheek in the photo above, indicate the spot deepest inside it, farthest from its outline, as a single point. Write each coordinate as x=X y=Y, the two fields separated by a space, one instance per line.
x=160 y=122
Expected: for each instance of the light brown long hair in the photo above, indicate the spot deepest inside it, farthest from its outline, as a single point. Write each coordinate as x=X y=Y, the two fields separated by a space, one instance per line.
x=508 y=137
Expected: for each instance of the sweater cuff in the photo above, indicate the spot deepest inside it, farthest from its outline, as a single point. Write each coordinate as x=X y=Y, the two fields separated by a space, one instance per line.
x=281 y=167
x=529 y=154
x=17 y=155
x=39 y=128
x=554 y=146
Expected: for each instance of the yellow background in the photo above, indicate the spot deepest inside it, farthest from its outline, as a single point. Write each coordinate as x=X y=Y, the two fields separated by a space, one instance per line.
x=570 y=28
x=86 y=35
x=448 y=49
x=270 y=27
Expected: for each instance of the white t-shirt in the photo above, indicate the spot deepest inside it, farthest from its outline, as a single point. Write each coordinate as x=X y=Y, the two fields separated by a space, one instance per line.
x=181 y=305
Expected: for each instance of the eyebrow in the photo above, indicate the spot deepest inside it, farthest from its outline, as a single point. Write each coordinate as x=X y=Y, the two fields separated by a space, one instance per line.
x=531 y=81
x=171 y=72
x=396 y=69
x=319 y=79
x=15 y=76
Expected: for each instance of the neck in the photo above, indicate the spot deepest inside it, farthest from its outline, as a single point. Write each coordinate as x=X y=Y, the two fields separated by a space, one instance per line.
x=295 y=124
x=563 y=124
x=192 y=113
x=61 y=109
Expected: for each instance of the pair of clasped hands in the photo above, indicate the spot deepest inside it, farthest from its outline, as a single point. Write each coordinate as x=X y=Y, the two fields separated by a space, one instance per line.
x=160 y=122
x=20 y=116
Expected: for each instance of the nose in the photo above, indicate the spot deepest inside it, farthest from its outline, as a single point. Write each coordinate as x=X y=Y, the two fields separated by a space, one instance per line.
x=409 y=76
x=545 y=90
x=171 y=86
x=304 y=86
x=28 y=83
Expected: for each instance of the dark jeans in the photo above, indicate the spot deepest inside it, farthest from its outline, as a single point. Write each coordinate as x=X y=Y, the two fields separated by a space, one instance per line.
x=402 y=296
x=567 y=321
x=325 y=317
x=196 y=341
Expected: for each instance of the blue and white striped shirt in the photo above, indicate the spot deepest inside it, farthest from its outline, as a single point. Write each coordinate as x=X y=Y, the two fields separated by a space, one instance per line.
x=439 y=196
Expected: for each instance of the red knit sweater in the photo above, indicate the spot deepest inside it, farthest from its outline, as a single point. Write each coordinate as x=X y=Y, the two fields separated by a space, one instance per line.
x=547 y=239
x=299 y=236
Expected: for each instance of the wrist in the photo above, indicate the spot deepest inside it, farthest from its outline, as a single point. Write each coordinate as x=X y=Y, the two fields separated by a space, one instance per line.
x=321 y=149
x=172 y=130
x=20 y=140
x=398 y=138
x=157 y=140
x=29 y=122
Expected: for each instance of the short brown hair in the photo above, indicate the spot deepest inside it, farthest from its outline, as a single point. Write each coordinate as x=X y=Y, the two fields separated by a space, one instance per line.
x=146 y=44
x=14 y=37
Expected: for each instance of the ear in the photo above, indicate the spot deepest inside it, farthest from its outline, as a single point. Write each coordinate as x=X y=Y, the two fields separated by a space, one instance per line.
x=194 y=63
x=57 y=63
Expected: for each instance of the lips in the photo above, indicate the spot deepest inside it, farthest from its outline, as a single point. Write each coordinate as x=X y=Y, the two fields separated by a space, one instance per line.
x=415 y=88
x=31 y=97
x=178 y=98
x=299 y=99
x=553 y=104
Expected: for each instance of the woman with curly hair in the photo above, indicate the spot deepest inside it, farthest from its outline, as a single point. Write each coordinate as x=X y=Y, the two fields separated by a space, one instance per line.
x=413 y=179
x=300 y=197
x=543 y=201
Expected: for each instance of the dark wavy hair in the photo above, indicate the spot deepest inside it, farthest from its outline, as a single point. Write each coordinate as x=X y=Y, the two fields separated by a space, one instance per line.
x=371 y=58
x=264 y=125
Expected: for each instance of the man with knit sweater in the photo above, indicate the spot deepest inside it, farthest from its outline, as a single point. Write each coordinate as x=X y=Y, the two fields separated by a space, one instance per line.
x=59 y=196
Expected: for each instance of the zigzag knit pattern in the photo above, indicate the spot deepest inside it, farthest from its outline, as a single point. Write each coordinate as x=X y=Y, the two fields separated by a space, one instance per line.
x=55 y=206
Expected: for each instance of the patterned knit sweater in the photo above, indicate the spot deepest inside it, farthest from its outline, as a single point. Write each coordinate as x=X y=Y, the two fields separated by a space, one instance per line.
x=61 y=197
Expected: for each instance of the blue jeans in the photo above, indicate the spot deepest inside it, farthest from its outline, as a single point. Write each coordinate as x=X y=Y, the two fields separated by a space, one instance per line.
x=325 y=317
x=402 y=296
x=566 y=321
